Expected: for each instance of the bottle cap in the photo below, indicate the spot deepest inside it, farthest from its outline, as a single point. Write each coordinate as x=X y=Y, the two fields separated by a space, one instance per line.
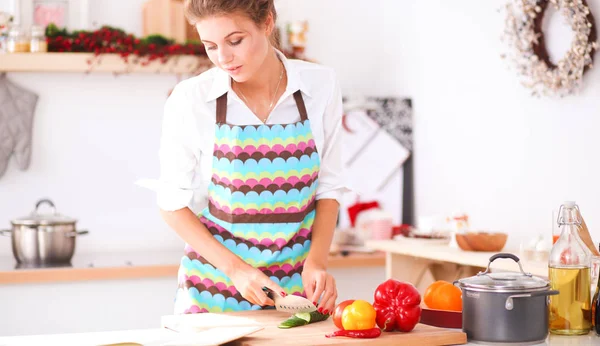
x=569 y=204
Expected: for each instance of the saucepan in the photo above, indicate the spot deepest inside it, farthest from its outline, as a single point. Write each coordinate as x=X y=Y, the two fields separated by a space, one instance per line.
x=505 y=307
x=43 y=238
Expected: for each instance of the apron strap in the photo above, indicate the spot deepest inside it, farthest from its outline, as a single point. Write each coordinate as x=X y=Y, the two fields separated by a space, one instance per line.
x=300 y=105
x=222 y=109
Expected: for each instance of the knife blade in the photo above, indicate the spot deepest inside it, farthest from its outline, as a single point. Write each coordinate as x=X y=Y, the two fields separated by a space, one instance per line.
x=290 y=303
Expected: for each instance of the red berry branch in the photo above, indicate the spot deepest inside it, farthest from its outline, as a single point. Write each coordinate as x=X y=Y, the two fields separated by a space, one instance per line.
x=108 y=40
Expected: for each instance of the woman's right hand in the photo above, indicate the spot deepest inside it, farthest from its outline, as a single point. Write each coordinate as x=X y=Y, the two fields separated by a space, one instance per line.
x=249 y=282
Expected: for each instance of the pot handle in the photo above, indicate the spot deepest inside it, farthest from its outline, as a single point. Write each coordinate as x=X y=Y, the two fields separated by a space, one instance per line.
x=6 y=232
x=504 y=255
x=509 y=305
x=75 y=233
x=47 y=201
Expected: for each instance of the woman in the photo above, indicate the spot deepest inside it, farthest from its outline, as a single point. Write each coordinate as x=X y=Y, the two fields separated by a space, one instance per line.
x=255 y=143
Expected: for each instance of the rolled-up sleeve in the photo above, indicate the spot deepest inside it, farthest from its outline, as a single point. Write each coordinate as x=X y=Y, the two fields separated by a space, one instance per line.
x=332 y=183
x=178 y=159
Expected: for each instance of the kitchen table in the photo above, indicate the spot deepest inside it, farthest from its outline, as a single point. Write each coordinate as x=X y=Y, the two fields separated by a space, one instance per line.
x=421 y=262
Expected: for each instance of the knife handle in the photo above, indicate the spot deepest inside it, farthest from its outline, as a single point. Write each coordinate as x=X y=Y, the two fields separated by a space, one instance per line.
x=269 y=292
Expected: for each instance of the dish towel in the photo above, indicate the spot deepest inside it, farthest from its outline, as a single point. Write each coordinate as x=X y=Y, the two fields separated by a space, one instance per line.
x=17 y=107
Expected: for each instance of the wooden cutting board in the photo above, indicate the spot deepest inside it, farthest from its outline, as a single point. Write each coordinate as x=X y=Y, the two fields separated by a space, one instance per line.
x=314 y=334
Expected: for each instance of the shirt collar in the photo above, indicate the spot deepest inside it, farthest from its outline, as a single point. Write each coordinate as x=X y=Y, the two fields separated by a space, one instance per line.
x=222 y=81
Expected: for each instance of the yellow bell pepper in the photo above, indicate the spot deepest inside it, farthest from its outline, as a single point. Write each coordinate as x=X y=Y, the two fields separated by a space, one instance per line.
x=359 y=315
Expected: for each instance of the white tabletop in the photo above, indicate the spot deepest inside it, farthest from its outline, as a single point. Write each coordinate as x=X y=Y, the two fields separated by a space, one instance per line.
x=155 y=337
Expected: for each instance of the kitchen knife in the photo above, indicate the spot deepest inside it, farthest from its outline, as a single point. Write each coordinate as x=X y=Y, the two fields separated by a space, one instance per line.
x=290 y=303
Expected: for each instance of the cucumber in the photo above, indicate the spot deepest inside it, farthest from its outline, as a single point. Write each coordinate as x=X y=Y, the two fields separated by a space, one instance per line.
x=303 y=318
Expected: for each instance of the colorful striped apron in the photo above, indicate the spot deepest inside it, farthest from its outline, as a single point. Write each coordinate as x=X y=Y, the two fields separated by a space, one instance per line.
x=261 y=206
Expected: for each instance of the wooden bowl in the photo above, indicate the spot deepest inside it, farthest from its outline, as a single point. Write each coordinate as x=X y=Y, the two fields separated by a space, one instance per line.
x=481 y=241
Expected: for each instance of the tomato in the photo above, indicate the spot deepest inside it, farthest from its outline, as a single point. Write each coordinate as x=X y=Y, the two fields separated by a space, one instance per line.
x=359 y=315
x=443 y=295
x=337 y=313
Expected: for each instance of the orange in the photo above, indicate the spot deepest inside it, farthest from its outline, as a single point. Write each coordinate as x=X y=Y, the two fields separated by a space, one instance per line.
x=443 y=295
x=428 y=296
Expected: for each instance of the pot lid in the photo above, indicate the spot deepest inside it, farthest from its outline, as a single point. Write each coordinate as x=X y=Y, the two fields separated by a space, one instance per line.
x=512 y=281
x=504 y=281
x=37 y=218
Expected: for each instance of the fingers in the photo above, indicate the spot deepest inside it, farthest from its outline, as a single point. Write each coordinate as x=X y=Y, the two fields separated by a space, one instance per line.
x=327 y=303
x=274 y=287
x=262 y=297
x=270 y=284
x=250 y=296
x=319 y=282
x=309 y=289
x=256 y=296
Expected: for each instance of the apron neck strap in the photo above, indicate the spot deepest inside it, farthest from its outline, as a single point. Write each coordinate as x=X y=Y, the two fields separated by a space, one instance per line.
x=300 y=105
x=222 y=109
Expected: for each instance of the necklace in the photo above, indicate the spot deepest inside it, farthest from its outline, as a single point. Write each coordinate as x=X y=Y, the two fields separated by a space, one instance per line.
x=272 y=99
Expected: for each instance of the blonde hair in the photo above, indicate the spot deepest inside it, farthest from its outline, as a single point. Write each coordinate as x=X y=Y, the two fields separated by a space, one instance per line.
x=256 y=10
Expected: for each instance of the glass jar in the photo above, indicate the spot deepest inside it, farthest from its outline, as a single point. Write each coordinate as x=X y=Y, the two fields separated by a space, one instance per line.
x=38 y=42
x=17 y=41
x=569 y=273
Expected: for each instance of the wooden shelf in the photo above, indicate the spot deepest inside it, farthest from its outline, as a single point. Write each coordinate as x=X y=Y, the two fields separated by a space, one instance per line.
x=87 y=62
x=137 y=265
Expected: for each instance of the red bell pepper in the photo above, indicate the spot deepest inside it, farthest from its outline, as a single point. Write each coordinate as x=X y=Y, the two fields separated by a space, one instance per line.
x=397 y=305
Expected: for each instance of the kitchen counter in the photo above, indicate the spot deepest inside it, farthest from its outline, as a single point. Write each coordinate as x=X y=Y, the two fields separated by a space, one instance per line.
x=307 y=335
x=131 y=265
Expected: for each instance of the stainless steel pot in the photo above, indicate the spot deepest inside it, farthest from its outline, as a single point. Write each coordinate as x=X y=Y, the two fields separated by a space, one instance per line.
x=43 y=238
x=505 y=308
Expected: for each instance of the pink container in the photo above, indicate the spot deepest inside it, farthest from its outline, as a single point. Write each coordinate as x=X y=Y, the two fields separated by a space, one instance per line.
x=374 y=224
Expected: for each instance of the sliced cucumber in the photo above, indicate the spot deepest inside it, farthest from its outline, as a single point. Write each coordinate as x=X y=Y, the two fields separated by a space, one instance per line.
x=303 y=318
x=316 y=316
x=293 y=322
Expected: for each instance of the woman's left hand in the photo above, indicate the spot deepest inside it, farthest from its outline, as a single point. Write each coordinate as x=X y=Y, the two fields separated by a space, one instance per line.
x=319 y=284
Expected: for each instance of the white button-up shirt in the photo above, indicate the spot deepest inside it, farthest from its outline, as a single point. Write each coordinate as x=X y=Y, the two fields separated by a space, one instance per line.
x=188 y=130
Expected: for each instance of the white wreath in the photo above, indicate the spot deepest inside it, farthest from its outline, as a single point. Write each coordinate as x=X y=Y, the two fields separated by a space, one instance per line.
x=520 y=36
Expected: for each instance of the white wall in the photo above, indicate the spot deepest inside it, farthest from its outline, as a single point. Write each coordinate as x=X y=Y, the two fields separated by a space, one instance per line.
x=482 y=144
x=94 y=135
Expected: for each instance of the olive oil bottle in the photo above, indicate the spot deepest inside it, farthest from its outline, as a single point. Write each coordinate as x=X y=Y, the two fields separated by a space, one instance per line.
x=569 y=273
x=596 y=308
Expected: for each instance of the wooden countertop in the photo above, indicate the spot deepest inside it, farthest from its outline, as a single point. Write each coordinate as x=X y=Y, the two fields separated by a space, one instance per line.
x=445 y=253
x=113 y=266
x=268 y=334
x=313 y=334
